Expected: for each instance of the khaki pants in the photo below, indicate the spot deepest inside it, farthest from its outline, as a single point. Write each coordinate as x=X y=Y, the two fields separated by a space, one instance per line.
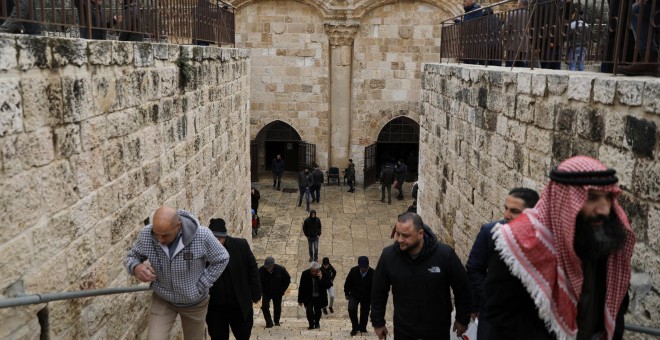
x=163 y=314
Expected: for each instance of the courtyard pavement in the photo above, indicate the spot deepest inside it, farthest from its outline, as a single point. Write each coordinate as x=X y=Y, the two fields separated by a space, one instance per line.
x=354 y=224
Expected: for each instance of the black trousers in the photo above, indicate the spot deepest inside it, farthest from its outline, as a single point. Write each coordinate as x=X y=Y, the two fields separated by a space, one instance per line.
x=220 y=318
x=314 y=311
x=277 y=308
x=365 y=306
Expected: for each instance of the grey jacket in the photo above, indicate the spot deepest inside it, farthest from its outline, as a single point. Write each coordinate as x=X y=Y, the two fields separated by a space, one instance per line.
x=185 y=279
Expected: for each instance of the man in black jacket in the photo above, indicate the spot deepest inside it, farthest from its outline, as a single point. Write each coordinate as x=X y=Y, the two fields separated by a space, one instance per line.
x=237 y=288
x=312 y=293
x=277 y=167
x=305 y=183
x=386 y=181
x=401 y=175
x=317 y=175
x=274 y=282
x=421 y=272
x=312 y=230
x=357 y=289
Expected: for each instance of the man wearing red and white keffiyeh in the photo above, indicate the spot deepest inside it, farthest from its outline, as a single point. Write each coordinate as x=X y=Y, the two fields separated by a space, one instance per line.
x=563 y=268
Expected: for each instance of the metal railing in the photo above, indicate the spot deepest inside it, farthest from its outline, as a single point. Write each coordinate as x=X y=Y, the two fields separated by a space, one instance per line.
x=546 y=33
x=22 y=299
x=174 y=21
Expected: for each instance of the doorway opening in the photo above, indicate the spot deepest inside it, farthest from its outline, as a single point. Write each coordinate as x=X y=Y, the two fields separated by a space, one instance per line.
x=399 y=140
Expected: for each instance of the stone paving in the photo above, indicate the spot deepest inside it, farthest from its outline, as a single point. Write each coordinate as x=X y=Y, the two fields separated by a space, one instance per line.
x=354 y=224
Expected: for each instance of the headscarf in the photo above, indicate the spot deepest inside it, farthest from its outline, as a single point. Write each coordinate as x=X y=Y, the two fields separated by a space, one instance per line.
x=538 y=247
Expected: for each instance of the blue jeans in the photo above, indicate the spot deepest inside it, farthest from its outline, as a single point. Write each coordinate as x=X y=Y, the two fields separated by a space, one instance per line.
x=576 y=59
x=305 y=191
x=313 y=245
x=645 y=26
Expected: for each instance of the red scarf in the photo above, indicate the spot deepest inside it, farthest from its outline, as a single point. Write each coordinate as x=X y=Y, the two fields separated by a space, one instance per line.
x=538 y=249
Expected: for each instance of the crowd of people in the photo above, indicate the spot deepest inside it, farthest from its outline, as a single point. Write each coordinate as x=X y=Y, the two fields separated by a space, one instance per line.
x=555 y=266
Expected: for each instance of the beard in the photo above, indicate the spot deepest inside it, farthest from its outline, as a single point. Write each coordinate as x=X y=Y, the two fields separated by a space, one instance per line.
x=593 y=242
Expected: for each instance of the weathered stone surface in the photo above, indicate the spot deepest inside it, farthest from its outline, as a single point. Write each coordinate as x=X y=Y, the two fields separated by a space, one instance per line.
x=68 y=51
x=8 y=51
x=652 y=96
x=11 y=113
x=604 y=90
x=621 y=161
x=524 y=83
x=100 y=52
x=591 y=124
x=15 y=261
x=646 y=179
x=35 y=52
x=557 y=83
x=77 y=97
x=45 y=107
x=36 y=148
x=629 y=92
x=579 y=88
x=122 y=52
x=67 y=140
x=144 y=54
x=538 y=84
x=641 y=134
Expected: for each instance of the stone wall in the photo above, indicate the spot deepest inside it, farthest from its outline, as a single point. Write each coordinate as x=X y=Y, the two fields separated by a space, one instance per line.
x=94 y=136
x=487 y=130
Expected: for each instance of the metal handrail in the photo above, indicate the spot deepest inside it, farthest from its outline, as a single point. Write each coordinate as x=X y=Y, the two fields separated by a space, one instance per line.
x=23 y=300
x=642 y=329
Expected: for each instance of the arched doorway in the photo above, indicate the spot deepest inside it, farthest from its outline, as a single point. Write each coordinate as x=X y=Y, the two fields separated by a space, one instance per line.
x=279 y=138
x=398 y=139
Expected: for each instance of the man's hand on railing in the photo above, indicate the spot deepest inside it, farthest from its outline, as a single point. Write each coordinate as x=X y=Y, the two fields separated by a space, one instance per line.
x=144 y=272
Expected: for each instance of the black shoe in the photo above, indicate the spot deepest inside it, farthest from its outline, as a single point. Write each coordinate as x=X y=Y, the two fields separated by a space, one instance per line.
x=311 y=259
x=382 y=201
x=299 y=204
x=332 y=310
x=277 y=323
x=310 y=327
x=325 y=311
x=317 y=326
x=269 y=325
x=354 y=333
x=363 y=331
x=313 y=201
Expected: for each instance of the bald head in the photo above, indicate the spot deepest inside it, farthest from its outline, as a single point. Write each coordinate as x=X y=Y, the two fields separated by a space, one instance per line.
x=166 y=225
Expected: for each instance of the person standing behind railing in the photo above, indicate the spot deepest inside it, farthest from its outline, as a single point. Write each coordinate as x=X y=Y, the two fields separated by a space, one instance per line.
x=641 y=16
x=98 y=20
x=516 y=35
x=133 y=27
x=577 y=42
x=472 y=11
x=27 y=11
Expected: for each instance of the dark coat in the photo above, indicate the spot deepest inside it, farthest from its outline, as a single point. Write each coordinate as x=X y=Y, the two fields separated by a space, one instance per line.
x=387 y=176
x=305 y=288
x=473 y=12
x=254 y=198
x=477 y=265
x=330 y=273
x=243 y=277
x=401 y=173
x=512 y=312
x=275 y=283
x=357 y=286
x=317 y=175
x=421 y=290
x=312 y=227
x=277 y=166
x=305 y=179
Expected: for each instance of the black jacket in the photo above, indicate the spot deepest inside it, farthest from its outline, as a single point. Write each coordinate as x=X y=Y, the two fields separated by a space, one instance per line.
x=317 y=175
x=387 y=176
x=312 y=227
x=277 y=166
x=512 y=312
x=275 y=283
x=305 y=288
x=358 y=286
x=401 y=173
x=305 y=179
x=477 y=266
x=240 y=277
x=330 y=273
x=421 y=289
x=254 y=198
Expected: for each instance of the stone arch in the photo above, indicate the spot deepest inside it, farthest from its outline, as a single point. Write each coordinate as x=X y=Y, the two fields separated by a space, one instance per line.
x=284 y=140
x=319 y=5
x=260 y=128
x=367 y=6
x=388 y=119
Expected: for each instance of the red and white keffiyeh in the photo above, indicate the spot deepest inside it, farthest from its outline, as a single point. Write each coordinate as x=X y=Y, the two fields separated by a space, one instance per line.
x=538 y=249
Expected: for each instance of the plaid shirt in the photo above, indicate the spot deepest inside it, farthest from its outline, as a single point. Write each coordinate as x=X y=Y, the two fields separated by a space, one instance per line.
x=184 y=279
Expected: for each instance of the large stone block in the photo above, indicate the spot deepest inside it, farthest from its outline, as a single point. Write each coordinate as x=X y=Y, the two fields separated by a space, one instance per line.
x=615 y=128
x=539 y=139
x=122 y=53
x=630 y=92
x=524 y=83
x=641 y=134
x=100 y=52
x=8 y=51
x=45 y=107
x=621 y=161
x=67 y=140
x=604 y=90
x=557 y=83
x=591 y=124
x=35 y=52
x=77 y=97
x=11 y=163
x=566 y=117
x=17 y=257
x=579 y=88
x=652 y=96
x=646 y=179
x=93 y=132
x=104 y=89
x=538 y=84
x=11 y=113
x=68 y=51
x=36 y=148
x=544 y=115
x=144 y=54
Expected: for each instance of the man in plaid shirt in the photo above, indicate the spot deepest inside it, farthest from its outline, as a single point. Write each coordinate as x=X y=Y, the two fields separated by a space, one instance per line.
x=178 y=249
